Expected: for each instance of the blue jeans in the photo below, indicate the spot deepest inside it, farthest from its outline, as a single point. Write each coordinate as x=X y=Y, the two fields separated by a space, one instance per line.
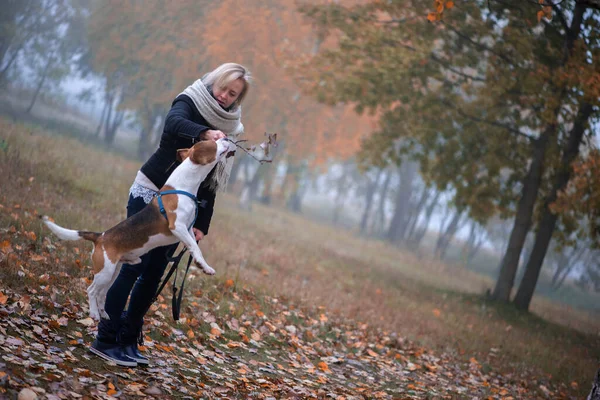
x=144 y=278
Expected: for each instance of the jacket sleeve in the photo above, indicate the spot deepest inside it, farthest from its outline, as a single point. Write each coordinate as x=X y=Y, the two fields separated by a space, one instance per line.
x=179 y=120
x=206 y=204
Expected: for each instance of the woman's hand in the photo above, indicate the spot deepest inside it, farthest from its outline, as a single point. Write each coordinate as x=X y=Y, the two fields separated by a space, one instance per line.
x=198 y=235
x=214 y=134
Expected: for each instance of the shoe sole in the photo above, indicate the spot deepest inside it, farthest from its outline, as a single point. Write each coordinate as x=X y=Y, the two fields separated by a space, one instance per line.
x=118 y=362
x=140 y=361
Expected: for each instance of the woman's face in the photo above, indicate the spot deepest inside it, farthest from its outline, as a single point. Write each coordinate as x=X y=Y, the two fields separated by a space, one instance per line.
x=226 y=95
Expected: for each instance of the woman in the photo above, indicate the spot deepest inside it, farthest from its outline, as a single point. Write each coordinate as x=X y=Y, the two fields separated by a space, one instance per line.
x=209 y=109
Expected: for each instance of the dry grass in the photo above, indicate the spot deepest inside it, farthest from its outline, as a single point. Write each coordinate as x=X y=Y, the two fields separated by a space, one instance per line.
x=284 y=254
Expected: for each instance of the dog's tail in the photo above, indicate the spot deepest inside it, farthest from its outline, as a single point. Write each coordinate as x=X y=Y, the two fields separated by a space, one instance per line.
x=69 y=234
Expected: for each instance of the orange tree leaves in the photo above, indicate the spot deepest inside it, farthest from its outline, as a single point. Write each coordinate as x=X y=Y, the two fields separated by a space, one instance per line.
x=440 y=7
x=581 y=199
x=143 y=45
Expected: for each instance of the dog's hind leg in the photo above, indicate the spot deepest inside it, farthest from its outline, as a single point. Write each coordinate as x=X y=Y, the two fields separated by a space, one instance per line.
x=101 y=297
x=101 y=284
x=91 y=292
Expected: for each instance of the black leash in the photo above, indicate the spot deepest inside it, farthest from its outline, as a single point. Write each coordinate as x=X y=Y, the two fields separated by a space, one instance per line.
x=177 y=298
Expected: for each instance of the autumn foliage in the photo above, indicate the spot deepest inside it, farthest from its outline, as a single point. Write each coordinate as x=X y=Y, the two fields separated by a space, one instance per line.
x=582 y=198
x=139 y=47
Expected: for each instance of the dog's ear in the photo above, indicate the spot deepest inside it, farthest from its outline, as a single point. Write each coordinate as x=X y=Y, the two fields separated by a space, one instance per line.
x=205 y=152
x=182 y=154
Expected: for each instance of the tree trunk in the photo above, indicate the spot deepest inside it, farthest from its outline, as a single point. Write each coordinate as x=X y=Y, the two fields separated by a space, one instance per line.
x=7 y=66
x=102 y=117
x=562 y=264
x=40 y=84
x=523 y=218
x=369 y=195
x=378 y=221
x=250 y=188
x=548 y=220
x=238 y=164
x=445 y=238
x=414 y=216
x=342 y=188
x=295 y=199
x=397 y=227
x=473 y=245
x=111 y=128
x=145 y=144
x=415 y=240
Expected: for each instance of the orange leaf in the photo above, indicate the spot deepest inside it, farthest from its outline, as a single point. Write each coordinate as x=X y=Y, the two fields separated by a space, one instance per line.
x=111 y=392
x=190 y=334
x=229 y=283
x=3 y=298
x=323 y=366
x=5 y=246
x=432 y=17
x=540 y=15
x=437 y=312
x=449 y=4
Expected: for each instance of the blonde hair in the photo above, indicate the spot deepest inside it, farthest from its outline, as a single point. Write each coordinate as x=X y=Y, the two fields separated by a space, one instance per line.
x=226 y=73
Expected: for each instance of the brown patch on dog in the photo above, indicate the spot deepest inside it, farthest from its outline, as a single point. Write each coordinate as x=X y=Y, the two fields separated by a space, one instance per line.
x=170 y=203
x=118 y=240
x=98 y=257
x=204 y=152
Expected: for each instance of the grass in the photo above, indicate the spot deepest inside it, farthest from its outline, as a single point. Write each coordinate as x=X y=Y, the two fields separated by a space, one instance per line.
x=283 y=255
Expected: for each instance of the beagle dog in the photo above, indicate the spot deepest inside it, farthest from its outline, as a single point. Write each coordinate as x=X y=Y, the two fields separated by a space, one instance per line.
x=166 y=220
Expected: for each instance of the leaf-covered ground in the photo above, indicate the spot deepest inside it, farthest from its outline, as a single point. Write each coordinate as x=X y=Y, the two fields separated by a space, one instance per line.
x=232 y=342
x=286 y=353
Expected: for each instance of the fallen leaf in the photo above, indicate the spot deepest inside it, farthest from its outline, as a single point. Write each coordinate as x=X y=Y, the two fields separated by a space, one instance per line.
x=86 y=321
x=323 y=366
x=5 y=246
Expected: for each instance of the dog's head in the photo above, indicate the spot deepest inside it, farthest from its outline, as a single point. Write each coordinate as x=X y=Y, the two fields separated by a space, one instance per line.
x=207 y=152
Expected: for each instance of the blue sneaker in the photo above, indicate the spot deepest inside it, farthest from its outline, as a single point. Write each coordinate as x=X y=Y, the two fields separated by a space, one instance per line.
x=112 y=352
x=132 y=352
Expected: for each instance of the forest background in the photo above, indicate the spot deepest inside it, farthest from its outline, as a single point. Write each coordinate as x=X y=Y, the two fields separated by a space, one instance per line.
x=463 y=132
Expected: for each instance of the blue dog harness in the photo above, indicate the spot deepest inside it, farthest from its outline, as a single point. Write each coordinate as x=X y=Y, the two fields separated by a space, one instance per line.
x=161 y=207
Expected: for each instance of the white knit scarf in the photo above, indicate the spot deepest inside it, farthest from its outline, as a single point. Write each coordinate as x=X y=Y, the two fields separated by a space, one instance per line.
x=227 y=121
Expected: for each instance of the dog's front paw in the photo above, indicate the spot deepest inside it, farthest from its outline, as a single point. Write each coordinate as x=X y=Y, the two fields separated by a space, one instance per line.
x=208 y=270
